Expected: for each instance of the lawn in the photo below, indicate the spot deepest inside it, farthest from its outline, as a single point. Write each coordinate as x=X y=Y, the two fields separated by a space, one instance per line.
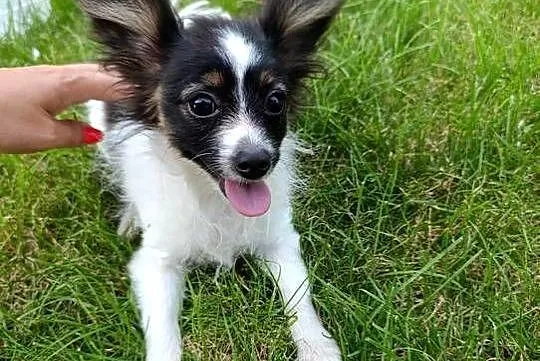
x=420 y=218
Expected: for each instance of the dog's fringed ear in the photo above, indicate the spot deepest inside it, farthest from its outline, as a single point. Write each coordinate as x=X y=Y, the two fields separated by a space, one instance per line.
x=296 y=26
x=135 y=35
x=134 y=32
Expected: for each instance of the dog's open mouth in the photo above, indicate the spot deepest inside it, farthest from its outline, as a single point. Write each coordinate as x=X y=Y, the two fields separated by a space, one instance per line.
x=249 y=199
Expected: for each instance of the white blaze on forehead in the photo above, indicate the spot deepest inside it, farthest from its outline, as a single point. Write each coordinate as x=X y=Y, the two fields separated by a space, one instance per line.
x=201 y=9
x=239 y=51
x=241 y=54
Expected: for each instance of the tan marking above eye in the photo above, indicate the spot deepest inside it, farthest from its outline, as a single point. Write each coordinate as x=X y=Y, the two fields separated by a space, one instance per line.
x=214 y=79
x=267 y=77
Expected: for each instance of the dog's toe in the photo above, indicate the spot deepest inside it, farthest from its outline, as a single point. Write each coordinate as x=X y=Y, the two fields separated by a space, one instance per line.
x=323 y=349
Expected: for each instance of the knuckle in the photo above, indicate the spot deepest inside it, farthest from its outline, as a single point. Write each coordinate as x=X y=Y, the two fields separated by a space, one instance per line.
x=69 y=81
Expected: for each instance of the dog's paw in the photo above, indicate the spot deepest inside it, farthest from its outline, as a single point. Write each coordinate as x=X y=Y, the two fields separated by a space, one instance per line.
x=321 y=349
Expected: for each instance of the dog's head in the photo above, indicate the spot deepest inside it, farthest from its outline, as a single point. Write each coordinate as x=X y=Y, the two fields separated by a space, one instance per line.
x=220 y=89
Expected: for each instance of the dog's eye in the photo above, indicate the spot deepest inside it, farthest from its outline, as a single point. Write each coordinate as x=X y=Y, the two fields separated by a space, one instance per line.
x=203 y=106
x=275 y=103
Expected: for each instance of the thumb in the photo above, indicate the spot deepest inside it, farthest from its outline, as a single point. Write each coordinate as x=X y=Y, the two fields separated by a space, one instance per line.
x=72 y=133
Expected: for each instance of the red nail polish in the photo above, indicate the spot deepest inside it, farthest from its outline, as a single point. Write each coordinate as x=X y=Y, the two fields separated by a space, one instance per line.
x=91 y=135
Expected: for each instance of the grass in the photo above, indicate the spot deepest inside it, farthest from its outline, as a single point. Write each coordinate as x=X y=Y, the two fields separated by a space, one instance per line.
x=420 y=222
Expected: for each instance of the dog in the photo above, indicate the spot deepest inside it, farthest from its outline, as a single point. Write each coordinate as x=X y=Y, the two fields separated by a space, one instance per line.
x=202 y=150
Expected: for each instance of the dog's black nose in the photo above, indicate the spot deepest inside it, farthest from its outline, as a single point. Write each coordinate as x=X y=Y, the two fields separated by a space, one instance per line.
x=252 y=162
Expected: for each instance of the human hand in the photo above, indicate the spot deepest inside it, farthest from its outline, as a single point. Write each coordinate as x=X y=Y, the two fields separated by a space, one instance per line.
x=31 y=97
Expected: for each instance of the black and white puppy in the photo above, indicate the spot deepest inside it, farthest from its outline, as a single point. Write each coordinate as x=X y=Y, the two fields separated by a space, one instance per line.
x=202 y=149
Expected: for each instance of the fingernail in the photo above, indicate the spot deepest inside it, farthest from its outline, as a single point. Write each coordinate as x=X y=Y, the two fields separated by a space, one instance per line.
x=91 y=135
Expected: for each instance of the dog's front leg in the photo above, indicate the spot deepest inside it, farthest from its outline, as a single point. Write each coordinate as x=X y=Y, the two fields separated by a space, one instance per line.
x=158 y=285
x=283 y=259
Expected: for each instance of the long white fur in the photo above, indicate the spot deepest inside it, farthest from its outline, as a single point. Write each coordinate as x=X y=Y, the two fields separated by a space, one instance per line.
x=185 y=219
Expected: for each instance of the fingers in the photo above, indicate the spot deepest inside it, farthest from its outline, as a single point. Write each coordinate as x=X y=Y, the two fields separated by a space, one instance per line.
x=31 y=97
x=82 y=82
x=90 y=81
x=62 y=134
x=55 y=134
x=71 y=133
x=98 y=84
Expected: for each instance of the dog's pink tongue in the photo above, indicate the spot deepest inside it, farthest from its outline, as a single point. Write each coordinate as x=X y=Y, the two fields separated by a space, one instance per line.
x=249 y=199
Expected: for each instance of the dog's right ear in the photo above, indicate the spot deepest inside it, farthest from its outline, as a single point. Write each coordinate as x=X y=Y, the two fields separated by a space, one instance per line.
x=135 y=33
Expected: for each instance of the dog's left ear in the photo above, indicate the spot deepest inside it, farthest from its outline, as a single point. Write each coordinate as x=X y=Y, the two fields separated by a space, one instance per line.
x=294 y=28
